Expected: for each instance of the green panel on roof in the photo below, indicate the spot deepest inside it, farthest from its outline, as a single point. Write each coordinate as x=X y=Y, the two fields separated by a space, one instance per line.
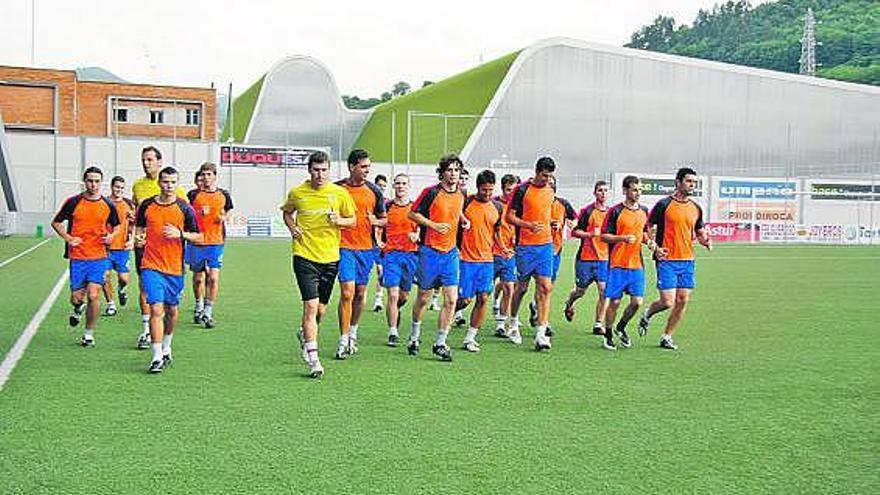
x=242 y=111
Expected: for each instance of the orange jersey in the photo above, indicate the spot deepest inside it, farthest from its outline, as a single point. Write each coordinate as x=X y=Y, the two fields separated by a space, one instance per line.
x=441 y=206
x=476 y=242
x=562 y=211
x=621 y=220
x=125 y=210
x=90 y=220
x=208 y=207
x=162 y=254
x=591 y=220
x=506 y=240
x=533 y=204
x=398 y=228
x=367 y=199
x=677 y=223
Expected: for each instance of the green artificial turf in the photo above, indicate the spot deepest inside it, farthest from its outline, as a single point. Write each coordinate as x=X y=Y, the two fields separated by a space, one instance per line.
x=774 y=390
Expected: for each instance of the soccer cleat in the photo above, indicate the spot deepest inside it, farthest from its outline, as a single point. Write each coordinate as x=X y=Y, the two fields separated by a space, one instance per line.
x=87 y=341
x=471 y=346
x=500 y=332
x=393 y=340
x=643 y=325
x=667 y=343
x=548 y=331
x=598 y=329
x=143 y=341
x=569 y=313
x=435 y=303
x=442 y=351
x=542 y=343
x=110 y=311
x=624 y=339
x=413 y=348
x=197 y=317
x=342 y=352
x=460 y=320
x=315 y=369
x=608 y=344
x=167 y=360
x=352 y=346
x=156 y=366
x=515 y=337
x=123 y=297
x=496 y=312
x=76 y=315
x=208 y=322
x=533 y=314
x=378 y=306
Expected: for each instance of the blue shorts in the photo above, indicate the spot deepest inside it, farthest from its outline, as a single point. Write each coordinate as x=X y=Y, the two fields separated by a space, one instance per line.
x=399 y=270
x=534 y=261
x=476 y=278
x=84 y=272
x=675 y=274
x=355 y=265
x=436 y=268
x=187 y=252
x=203 y=257
x=587 y=272
x=161 y=287
x=557 y=262
x=119 y=260
x=625 y=281
x=505 y=269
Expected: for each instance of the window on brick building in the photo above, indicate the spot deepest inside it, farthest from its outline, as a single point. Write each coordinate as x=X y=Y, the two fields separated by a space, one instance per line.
x=193 y=116
x=120 y=115
x=157 y=116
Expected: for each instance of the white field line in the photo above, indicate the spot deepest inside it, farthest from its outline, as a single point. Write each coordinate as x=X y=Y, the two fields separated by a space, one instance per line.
x=29 y=331
x=26 y=251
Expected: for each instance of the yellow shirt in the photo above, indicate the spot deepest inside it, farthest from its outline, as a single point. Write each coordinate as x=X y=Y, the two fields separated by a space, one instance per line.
x=320 y=239
x=145 y=188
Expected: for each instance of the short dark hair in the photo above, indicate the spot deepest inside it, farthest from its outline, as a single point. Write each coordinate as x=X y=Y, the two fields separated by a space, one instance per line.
x=356 y=156
x=154 y=150
x=208 y=167
x=545 y=164
x=509 y=179
x=684 y=171
x=446 y=161
x=380 y=177
x=116 y=179
x=401 y=175
x=485 y=177
x=318 y=157
x=629 y=180
x=465 y=171
x=93 y=170
x=598 y=184
x=197 y=175
x=167 y=171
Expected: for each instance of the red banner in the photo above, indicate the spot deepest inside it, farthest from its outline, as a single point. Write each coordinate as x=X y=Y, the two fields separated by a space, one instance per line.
x=729 y=232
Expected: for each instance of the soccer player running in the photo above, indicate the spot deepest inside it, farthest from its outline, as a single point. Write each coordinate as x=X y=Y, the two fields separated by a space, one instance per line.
x=591 y=263
x=463 y=177
x=358 y=249
x=562 y=216
x=625 y=229
x=121 y=246
x=86 y=238
x=145 y=188
x=678 y=220
x=438 y=211
x=314 y=213
x=477 y=263
x=164 y=223
x=212 y=206
x=530 y=212
x=379 y=301
x=504 y=263
x=400 y=251
x=197 y=284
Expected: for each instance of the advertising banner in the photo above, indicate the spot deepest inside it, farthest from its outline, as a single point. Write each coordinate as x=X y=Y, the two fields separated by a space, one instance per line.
x=729 y=232
x=840 y=191
x=759 y=189
x=746 y=211
x=270 y=157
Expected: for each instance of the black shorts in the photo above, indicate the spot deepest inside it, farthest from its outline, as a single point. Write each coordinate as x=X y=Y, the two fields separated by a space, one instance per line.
x=315 y=280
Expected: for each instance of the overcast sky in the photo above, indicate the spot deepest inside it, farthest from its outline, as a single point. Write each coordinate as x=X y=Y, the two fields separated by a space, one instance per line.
x=367 y=45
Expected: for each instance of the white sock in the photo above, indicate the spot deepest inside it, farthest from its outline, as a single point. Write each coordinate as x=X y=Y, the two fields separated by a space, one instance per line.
x=343 y=340
x=145 y=320
x=353 y=332
x=200 y=305
x=157 y=352
x=513 y=323
x=599 y=324
x=379 y=297
x=646 y=316
x=209 y=307
x=542 y=329
x=111 y=304
x=392 y=331
x=166 y=343
x=312 y=350
x=459 y=314
x=471 y=335
x=441 y=337
x=89 y=334
x=415 y=331
x=501 y=322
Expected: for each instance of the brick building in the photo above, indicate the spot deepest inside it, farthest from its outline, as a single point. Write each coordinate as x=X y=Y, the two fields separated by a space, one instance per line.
x=56 y=101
